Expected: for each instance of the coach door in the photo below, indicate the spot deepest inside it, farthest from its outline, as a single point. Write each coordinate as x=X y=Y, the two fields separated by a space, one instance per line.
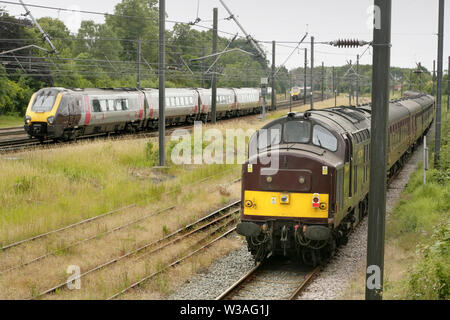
x=74 y=108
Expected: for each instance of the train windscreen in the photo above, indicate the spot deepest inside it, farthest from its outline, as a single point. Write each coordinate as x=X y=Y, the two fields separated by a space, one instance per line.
x=297 y=131
x=44 y=100
x=324 y=138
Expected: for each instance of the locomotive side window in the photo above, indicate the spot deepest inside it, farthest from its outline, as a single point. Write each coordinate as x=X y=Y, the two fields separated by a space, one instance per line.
x=297 y=131
x=324 y=138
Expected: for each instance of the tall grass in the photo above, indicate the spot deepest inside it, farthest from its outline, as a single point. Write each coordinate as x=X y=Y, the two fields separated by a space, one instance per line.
x=420 y=225
x=45 y=189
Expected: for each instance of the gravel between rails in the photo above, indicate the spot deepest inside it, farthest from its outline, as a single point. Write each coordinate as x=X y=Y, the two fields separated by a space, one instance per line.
x=329 y=284
x=210 y=283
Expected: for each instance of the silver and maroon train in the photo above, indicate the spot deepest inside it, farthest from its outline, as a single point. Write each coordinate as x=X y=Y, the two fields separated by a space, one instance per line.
x=64 y=114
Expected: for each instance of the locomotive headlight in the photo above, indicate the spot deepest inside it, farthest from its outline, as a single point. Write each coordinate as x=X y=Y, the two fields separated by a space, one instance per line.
x=301 y=180
x=284 y=199
x=51 y=119
x=27 y=119
x=269 y=179
x=248 y=203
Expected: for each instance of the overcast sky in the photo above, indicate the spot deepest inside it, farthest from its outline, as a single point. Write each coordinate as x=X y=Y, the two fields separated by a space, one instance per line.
x=414 y=24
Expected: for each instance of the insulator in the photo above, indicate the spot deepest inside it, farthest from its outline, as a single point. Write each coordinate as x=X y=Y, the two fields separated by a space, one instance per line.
x=348 y=43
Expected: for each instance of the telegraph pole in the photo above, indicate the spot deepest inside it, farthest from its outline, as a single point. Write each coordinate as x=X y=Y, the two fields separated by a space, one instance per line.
x=434 y=78
x=138 y=84
x=290 y=91
x=379 y=126
x=312 y=73
x=203 y=66
x=304 y=76
x=162 y=83
x=350 y=87
x=334 y=87
x=273 y=99
x=437 y=145
x=448 y=87
x=323 y=75
x=357 y=80
x=214 y=76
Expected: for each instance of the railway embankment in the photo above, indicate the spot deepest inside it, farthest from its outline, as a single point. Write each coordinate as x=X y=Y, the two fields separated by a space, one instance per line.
x=417 y=260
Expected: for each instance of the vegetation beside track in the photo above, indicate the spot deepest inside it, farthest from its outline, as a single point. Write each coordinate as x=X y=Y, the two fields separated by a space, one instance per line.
x=420 y=227
x=43 y=190
x=11 y=120
x=417 y=257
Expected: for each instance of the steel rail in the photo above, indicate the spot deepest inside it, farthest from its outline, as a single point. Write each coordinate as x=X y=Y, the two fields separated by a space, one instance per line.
x=95 y=236
x=304 y=283
x=21 y=144
x=137 y=283
x=227 y=293
x=14 y=244
x=180 y=232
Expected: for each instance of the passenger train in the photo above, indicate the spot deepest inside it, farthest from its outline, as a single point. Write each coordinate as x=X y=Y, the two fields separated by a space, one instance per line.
x=308 y=206
x=64 y=114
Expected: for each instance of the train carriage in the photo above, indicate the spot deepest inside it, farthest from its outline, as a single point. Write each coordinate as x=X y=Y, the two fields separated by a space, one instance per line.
x=319 y=190
x=248 y=100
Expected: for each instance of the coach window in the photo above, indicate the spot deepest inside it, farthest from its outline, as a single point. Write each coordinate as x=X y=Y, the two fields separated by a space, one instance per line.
x=111 y=106
x=95 y=105
x=123 y=104
x=324 y=138
x=103 y=106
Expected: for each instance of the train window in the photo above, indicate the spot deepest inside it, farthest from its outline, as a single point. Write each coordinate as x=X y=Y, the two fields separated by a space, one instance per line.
x=96 y=105
x=111 y=105
x=44 y=101
x=270 y=136
x=297 y=131
x=103 y=107
x=324 y=138
x=123 y=104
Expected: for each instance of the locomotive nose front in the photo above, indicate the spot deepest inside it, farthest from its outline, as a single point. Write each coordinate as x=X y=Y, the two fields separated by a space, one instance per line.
x=300 y=189
x=41 y=112
x=295 y=203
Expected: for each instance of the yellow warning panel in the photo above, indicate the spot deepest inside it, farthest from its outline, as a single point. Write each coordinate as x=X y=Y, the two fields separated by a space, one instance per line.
x=298 y=205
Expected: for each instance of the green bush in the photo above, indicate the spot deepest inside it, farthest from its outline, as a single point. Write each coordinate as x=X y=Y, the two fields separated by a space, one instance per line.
x=430 y=278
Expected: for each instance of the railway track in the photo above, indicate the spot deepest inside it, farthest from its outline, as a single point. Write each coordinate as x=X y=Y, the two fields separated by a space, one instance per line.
x=221 y=221
x=277 y=276
x=15 y=145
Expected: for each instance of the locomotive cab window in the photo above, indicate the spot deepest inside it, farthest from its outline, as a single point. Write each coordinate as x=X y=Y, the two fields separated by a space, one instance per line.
x=324 y=138
x=269 y=137
x=44 y=101
x=297 y=131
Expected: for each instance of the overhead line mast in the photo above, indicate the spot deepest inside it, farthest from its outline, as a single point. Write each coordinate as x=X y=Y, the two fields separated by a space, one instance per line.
x=44 y=34
x=249 y=37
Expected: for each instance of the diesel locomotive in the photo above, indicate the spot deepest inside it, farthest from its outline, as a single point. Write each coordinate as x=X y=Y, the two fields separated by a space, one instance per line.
x=318 y=192
x=64 y=114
